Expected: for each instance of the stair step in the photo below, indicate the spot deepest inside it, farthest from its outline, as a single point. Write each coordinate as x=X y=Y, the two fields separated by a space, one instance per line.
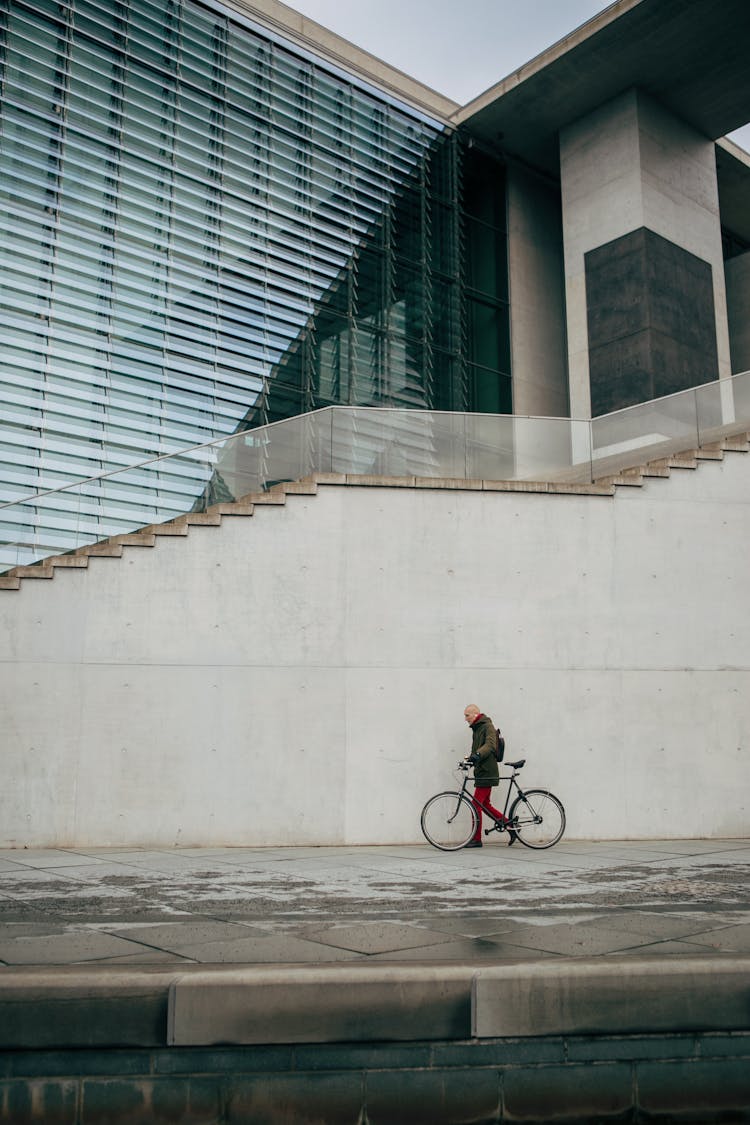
x=33 y=571
x=329 y=478
x=105 y=550
x=235 y=509
x=269 y=498
x=165 y=529
x=738 y=443
x=632 y=478
x=7 y=582
x=658 y=468
x=300 y=488
x=712 y=451
x=203 y=519
x=69 y=562
x=135 y=539
x=687 y=460
x=571 y=488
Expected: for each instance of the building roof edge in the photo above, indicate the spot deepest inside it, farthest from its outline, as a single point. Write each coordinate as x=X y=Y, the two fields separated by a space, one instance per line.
x=541 y=61
x=305 y=32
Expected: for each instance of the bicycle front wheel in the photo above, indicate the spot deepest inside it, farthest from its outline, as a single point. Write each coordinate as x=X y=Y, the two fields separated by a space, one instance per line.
x=538 y=818
x=449 y=821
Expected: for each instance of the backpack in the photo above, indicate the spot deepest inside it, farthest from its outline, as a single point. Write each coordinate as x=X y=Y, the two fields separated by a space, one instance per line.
x=500 y=746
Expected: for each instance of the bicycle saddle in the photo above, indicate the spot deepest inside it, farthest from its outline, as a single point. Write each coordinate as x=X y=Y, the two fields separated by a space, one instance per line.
x=516 y=765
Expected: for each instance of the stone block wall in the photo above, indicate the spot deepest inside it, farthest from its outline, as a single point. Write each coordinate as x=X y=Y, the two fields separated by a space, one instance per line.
x=582 y=1080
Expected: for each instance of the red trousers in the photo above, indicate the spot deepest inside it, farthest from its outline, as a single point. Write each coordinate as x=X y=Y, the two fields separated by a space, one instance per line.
x=481 y=800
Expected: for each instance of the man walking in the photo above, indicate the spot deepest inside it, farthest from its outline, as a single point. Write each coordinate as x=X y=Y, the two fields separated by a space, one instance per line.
x=486 y=774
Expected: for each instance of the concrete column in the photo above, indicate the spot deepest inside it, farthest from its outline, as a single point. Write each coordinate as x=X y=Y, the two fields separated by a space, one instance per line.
x=537 y=302
x=632 y=171
x=536 y=282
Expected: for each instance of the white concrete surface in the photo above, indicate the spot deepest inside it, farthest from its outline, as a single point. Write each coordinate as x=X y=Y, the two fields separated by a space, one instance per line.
x=299 y=676
x=536 y=281
x=632 y=164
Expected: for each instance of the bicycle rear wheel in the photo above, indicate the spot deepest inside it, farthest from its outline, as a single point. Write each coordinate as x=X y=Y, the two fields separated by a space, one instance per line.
x=449 y=821
x=538 y=818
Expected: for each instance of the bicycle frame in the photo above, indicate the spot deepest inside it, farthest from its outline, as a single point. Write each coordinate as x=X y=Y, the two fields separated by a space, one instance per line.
x=512 y=783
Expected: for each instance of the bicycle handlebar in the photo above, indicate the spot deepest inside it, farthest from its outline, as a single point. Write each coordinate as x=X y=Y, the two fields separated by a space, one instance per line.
x=466 y=765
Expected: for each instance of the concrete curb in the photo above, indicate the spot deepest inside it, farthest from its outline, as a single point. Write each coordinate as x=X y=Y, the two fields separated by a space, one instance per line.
x=619 y=996
x=321 y=1004
x=99 y=1006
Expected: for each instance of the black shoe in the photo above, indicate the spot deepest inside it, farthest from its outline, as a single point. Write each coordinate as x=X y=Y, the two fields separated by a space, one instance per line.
x=473 y=844
x=512 y=836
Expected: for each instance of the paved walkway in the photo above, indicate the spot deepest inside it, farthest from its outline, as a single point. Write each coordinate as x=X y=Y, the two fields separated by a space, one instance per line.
x=405 y=904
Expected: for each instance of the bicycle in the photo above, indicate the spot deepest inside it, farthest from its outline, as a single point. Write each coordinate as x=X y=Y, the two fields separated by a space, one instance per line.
x=449 y=820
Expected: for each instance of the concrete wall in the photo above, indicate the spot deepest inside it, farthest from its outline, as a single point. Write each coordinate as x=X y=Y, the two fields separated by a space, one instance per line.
x=299 y=676
x=737 y=272
x=627 y=165
x=537 y=296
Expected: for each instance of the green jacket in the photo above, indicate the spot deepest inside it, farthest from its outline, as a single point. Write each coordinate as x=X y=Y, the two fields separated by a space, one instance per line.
x=484 y=745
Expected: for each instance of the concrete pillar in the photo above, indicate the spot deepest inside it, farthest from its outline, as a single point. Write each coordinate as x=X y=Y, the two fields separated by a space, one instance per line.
x=537 y=303
x=644 y=274
x=536 y=281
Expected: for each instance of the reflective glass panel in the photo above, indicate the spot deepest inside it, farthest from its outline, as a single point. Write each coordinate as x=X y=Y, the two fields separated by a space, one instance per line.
x=203 y=228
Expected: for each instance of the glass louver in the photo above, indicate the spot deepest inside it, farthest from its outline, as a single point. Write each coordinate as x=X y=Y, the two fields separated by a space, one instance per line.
x=204 y=229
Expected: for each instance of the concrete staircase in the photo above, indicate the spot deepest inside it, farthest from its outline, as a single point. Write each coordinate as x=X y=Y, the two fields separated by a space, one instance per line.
x=114 y=547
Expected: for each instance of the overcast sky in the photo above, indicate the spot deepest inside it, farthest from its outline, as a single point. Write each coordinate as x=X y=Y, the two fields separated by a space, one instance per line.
x=458 y=47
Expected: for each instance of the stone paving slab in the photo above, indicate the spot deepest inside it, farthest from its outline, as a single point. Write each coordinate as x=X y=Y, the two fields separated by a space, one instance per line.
x=279 y=949
x=681 y=948
x=68 y=948
x=301 y=905
x=469 y=951
x=194 y=930
x=377 y=937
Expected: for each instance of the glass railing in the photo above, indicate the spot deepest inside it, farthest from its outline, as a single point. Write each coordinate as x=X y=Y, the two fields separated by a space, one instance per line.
x=664 y=426
x=367 y=441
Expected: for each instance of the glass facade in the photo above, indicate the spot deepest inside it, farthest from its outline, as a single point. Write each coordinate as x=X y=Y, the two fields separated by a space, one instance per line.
x=204 y=228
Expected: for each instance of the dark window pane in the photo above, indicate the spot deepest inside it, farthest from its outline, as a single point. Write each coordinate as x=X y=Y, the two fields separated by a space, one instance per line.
x=441 y=171
x=331 y=362
x=491 y=392
x=283 y=401
x=408 y=310
x=446 y=322
x=489 y=342
x=407 y=226
x=447 y=381
x=484 y=188
x=486 y=260
x=445 y=238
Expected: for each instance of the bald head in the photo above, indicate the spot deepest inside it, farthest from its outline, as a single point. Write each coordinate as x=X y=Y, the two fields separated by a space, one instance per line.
x=470 y=712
